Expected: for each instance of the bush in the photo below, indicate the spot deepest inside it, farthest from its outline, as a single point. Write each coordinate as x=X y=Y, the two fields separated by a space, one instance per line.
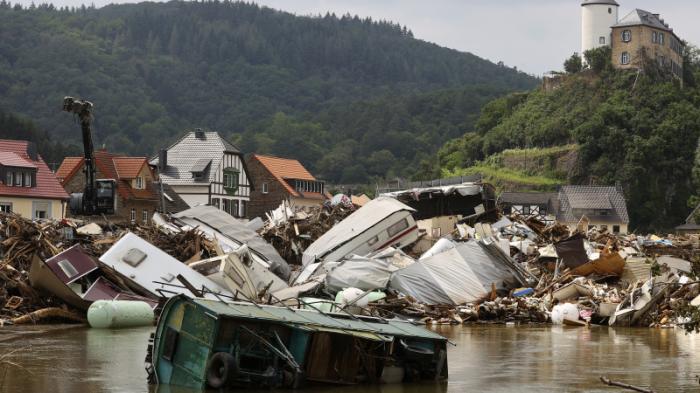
x=573 y=64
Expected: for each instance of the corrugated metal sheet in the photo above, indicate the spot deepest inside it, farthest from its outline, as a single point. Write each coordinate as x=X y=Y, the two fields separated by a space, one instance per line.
x=316 y=319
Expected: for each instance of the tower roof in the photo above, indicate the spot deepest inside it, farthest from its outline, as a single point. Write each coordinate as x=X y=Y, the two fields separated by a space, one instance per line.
x=606 y=2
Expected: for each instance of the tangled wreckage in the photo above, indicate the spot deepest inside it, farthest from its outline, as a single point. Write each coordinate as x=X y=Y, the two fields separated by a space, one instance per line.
x=260 y=303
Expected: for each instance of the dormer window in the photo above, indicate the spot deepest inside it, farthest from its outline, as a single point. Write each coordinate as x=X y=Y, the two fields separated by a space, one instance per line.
x=27 y=179
x=8 y=179
x=626 y=36
x=139 y=183
x=18 y=179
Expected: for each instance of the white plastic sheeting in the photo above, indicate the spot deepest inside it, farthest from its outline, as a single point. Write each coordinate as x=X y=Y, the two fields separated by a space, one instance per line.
x=459 y=275
x=360 y=272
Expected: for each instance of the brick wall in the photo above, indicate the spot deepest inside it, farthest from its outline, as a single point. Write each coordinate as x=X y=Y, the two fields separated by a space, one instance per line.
x=262 y=203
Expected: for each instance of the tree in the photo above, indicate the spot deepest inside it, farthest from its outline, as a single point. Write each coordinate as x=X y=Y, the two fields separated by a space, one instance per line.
x=599 y=59
x=573 y=64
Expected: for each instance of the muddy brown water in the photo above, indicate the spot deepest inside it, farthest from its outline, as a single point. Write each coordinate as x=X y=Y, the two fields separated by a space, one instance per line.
x=485 y=359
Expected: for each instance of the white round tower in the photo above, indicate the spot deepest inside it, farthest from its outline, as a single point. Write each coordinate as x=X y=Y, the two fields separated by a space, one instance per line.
x=597 y=16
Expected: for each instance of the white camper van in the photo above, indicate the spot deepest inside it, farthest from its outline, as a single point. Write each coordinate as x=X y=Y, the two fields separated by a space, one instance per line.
x=380 y=223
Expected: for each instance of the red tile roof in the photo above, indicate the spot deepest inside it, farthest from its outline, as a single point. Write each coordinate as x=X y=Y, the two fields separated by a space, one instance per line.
x=8 y=158
x=128 y=167
x=284 y=168
x=47 y=186
x=68 y=168
x=112 y=166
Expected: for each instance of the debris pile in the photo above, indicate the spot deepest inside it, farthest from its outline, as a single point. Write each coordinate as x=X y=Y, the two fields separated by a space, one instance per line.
x=344 y=258
x=24 y=240
x=291 y=230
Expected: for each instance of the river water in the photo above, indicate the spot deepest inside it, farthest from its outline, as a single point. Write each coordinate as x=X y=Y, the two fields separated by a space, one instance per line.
x=485 y=359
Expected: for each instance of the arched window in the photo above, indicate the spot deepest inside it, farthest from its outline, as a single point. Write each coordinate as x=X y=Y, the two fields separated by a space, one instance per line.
x=625 y=58
x=626 y=35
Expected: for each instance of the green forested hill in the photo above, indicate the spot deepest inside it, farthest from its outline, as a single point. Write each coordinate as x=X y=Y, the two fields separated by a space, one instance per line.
x=638 y=129
x=277 y=83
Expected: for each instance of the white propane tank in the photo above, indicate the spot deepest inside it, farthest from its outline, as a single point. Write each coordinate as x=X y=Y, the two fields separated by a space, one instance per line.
x=104 y=314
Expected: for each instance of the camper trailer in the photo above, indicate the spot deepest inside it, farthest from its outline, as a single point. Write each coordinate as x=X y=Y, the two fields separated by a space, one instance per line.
x=381 y=223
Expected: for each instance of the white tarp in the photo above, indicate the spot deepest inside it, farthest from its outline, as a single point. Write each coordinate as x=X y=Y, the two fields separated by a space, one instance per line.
x=459 y=275
x=369 y=215
x=360 y=272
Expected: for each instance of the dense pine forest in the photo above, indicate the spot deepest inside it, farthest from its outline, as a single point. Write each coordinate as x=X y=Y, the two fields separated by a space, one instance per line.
x=352 y=98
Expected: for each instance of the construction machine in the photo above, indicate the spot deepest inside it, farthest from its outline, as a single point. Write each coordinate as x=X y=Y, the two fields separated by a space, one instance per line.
x=98 y=196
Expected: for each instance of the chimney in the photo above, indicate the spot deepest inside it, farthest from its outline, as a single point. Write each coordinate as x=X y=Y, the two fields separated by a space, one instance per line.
x=162 y=160
x=199 y=133
x=31 y=151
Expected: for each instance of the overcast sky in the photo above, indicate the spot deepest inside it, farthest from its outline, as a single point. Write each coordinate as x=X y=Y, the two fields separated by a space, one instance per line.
x=534 y=35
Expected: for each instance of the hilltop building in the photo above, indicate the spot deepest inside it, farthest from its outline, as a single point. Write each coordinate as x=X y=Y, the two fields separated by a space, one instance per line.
x=279 y=179
x=639 y=36
x=28 y=187
x=205 y=169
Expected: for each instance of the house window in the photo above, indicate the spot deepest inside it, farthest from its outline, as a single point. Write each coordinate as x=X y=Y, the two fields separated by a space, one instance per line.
x=526 y=210
x=216 y=202
x=234 y=208
x=603 y=212
x=133 y=216
x=8 y=179
x=227 y=206
x=616 y=229
x=27 y=179
x=144 y=216
x=244 y=208
x=609 y=10
x=18 y=179
x=6 y=207
x=625 y=58
x=601 y=40
x=41 y=210
x=264 y=188
x=373 y=241
x=231 y=180
x=398 y=227
x=661 y=38
x=654 y=37
x=139 y=183
x=626 y=36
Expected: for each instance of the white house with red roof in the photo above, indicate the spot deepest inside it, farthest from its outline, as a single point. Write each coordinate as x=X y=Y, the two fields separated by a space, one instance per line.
x=28 y=187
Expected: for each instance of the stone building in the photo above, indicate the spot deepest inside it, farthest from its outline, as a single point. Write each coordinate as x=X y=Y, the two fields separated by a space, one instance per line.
x=278 y=179
x=642 y=36
x=638 y=37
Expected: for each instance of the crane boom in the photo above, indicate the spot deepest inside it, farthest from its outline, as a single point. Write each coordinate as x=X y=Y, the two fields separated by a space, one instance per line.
x=98 y=195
